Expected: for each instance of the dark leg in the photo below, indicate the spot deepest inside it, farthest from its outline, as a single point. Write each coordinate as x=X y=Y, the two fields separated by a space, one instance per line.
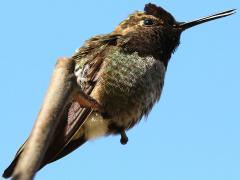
x=124 y=138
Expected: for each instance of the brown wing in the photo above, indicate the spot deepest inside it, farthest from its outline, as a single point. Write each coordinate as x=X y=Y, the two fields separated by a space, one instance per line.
x=74 y=115
x=94 y=51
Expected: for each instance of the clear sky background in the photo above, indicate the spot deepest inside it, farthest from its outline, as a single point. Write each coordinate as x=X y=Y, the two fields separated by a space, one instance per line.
x=193 y=133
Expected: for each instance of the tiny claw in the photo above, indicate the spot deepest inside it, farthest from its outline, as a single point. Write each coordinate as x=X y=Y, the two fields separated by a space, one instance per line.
x=124 y=138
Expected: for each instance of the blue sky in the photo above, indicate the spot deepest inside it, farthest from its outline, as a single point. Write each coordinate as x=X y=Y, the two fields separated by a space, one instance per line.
x=192 y=133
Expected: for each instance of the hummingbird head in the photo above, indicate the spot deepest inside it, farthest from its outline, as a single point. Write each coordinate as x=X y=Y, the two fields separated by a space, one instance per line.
x=156 y=32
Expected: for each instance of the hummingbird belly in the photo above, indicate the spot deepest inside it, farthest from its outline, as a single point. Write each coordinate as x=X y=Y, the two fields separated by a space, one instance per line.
x=127 y=88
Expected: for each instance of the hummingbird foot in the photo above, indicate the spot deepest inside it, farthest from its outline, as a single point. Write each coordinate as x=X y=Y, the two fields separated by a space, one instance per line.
x=87 y=101
x=124 y=138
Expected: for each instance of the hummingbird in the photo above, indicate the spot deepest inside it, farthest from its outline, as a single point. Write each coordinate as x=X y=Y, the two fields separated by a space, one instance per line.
x=120 y=77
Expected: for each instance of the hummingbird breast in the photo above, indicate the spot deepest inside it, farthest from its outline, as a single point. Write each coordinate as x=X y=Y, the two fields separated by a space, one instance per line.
x=128 y=87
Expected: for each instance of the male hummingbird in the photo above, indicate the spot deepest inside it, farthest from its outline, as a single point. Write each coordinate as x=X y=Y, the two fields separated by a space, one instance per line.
x=120 y=76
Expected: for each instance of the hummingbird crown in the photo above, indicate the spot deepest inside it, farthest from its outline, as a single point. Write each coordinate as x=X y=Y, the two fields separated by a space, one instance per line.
x=159 y=12
x=152 y=16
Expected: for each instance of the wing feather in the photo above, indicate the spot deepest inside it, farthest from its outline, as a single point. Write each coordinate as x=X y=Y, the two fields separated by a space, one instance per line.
x=74 y=115
x=93 y=50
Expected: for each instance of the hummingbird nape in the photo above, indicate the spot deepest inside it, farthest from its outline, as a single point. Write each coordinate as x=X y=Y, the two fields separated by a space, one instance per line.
x=120 y=77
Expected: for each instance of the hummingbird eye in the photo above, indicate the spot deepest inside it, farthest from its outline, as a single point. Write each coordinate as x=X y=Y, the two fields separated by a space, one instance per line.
x=148 y=22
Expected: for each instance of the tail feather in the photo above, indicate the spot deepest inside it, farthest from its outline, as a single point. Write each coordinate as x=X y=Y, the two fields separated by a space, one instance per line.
x=9 y=171
x=50 y=156
x=64 y=141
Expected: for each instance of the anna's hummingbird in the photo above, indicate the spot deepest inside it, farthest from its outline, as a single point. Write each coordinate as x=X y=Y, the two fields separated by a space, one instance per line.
x=120 y=77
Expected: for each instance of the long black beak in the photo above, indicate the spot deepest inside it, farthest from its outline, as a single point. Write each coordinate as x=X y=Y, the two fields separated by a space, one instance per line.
x=185 y=25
